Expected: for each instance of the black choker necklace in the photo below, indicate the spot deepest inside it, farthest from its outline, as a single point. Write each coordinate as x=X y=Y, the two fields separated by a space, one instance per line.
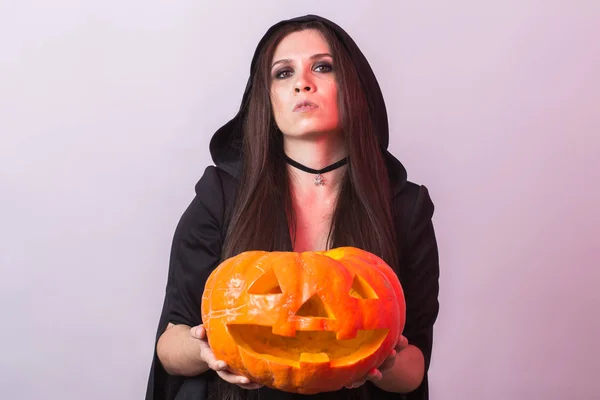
x=319 y=181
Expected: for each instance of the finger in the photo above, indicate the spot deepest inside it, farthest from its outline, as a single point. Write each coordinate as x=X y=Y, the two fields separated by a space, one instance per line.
x=230 y=377
x=374 y=375
x=356 y=384
x=251 y=386
x=198 y=332
x=402 y=343
x=388 y=363
x=209 y=358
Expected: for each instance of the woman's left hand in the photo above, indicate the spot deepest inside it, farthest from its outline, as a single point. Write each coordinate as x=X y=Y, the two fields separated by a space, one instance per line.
x=376 y=374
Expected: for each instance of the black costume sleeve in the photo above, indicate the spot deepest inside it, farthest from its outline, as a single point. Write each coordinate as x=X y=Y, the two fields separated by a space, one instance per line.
x=195 y=252
x=418 y=273
x=420 y=265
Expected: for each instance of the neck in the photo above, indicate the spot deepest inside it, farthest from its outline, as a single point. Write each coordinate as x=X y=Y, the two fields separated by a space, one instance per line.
x=316 y=155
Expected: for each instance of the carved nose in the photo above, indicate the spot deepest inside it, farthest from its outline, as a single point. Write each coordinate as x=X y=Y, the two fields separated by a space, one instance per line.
x=315 y=308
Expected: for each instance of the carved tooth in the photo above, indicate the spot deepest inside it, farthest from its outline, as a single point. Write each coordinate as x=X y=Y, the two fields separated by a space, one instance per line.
x=314 y=357
x=341 y=335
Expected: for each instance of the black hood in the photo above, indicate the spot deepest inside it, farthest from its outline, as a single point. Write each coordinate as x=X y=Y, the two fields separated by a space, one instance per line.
x=226 y=143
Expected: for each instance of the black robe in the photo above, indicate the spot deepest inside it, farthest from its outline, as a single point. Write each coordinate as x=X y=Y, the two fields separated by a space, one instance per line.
x=198 y=239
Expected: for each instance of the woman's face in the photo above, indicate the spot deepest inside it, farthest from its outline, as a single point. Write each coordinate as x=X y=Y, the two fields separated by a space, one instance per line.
x=303 y=86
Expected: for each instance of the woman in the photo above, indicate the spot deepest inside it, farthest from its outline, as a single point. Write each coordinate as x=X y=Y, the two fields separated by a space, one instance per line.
x=302 y=166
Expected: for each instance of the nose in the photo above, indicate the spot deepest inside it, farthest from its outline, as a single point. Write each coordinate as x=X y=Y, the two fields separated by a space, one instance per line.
x=306 y=88
x=303 y=84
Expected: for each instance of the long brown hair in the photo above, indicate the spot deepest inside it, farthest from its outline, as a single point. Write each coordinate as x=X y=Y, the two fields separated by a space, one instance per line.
x=363 y=215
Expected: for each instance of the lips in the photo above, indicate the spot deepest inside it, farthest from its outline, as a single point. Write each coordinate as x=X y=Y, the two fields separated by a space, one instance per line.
x=305 y=106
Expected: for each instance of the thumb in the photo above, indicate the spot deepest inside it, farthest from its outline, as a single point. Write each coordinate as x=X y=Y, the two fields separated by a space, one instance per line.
x=198 y=332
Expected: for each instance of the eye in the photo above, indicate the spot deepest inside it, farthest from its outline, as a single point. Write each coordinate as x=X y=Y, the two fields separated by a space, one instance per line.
x=266 y=284
x=324 y=67
x=283 y=73
x=361 y=289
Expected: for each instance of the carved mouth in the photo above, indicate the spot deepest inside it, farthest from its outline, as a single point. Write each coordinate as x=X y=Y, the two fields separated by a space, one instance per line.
x=306 y=346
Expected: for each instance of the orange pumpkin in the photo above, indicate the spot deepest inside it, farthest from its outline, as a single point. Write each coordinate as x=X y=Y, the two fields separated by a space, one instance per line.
x=303 y=322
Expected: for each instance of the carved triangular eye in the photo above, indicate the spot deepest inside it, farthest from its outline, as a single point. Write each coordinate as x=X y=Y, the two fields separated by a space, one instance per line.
x=315 y=308
x=361 y=289
x=266 y=284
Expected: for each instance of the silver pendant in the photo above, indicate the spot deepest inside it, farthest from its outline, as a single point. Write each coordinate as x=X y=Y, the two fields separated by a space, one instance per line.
x=319 y=181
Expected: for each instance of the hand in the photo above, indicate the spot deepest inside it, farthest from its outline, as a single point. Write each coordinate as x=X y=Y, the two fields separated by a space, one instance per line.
x=376 y=374
x=219 y=366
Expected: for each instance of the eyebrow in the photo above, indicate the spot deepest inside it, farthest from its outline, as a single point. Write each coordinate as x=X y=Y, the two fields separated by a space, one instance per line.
x=287 y=60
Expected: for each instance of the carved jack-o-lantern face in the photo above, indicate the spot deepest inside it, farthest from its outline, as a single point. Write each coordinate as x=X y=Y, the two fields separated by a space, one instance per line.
x=303 y=322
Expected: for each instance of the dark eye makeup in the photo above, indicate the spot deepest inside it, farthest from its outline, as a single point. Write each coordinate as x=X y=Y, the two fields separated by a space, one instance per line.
x=321 y=67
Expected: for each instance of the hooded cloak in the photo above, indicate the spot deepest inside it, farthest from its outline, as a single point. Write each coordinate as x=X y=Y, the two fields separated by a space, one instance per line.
x=226 y=143
x=195 y=252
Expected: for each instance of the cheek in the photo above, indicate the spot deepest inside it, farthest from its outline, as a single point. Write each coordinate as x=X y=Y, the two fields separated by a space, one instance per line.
x=278 y=102
x=331 y=96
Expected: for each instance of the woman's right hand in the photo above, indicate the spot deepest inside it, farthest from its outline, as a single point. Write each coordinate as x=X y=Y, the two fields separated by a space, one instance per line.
x=219 y=366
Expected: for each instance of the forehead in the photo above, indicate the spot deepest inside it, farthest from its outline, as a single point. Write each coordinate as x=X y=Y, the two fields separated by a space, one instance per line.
x=301 y=44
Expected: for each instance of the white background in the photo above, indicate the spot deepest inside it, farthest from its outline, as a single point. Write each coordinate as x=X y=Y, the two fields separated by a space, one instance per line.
x=106 y=110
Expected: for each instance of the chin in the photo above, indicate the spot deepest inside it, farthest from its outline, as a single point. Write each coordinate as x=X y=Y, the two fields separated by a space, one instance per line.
x=312 y=130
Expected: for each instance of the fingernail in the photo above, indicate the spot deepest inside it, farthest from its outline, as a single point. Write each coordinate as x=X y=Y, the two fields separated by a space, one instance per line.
x=221 y=364
x=244 y=380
